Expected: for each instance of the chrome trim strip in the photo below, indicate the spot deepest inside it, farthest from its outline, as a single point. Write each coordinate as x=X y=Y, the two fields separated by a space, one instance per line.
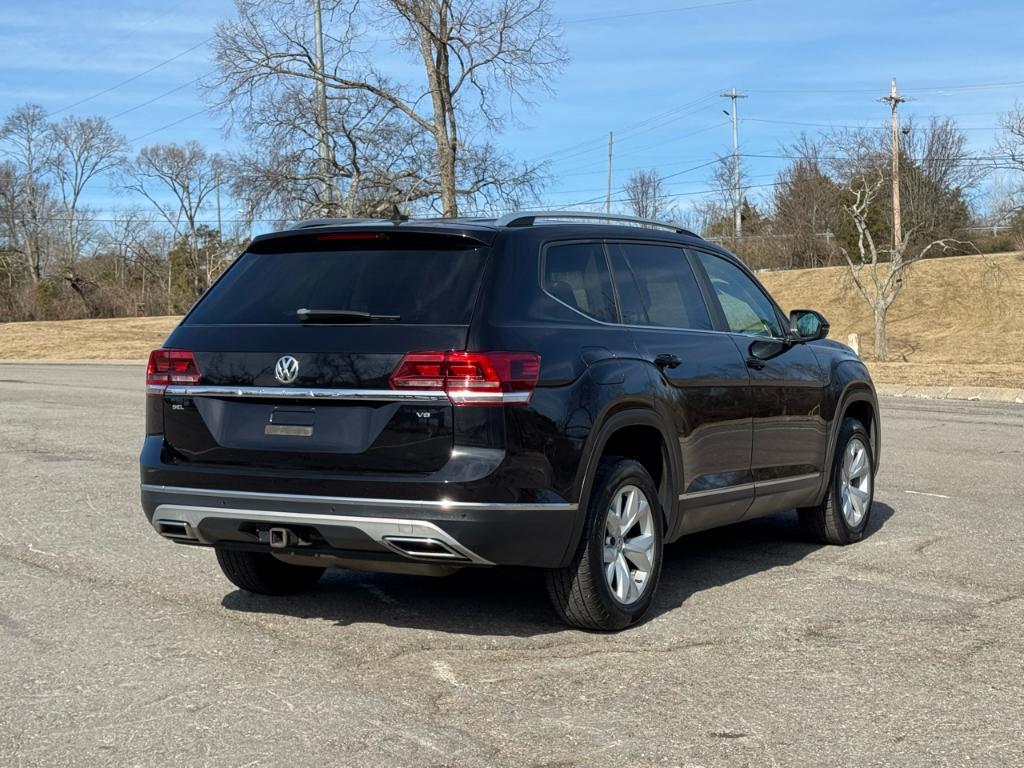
x=306 y=393
x=377 y=528
x=473 y=397
x=356 y=501
x=750 y=486
x=715 y=491
x=457 y=396
x=790 y=479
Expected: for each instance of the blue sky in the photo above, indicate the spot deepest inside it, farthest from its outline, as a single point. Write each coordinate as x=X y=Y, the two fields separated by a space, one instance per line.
x=802 y=64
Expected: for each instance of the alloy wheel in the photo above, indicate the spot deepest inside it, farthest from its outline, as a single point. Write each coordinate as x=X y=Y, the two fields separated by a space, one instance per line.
x=855 y=482
x=629 y=544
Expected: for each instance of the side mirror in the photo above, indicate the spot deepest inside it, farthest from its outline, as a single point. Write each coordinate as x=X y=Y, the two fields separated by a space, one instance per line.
x=807 y=325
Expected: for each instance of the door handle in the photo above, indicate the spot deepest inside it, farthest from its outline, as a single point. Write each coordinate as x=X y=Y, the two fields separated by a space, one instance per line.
x=666 y=360
x=755 y=363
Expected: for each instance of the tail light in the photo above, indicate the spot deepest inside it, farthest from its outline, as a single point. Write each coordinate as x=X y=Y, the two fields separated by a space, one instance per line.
x=471 y=378
x=171 y=366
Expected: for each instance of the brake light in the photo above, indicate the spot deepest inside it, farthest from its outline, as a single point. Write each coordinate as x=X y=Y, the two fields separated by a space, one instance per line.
x=353 y=236
x=471 y=378
x=171 y=366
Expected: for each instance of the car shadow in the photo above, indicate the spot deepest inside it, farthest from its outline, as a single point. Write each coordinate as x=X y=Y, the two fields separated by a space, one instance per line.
x=513 y=602
x=724 y=555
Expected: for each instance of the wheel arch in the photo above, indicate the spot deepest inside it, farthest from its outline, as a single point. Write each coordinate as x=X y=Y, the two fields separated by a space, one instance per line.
x=625 y=431
x=857 y=401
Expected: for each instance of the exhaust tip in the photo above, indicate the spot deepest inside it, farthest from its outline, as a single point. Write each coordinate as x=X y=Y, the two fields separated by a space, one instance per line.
x=175 y=529
x=422 y=548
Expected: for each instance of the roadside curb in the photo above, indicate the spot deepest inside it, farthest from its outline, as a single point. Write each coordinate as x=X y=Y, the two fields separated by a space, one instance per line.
x=985 y=394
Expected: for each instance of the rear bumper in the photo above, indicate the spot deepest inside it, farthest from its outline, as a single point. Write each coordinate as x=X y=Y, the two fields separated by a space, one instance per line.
x=377 y=530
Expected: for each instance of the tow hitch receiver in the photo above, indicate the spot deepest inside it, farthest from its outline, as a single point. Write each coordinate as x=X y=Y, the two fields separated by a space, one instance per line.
x=281 y=538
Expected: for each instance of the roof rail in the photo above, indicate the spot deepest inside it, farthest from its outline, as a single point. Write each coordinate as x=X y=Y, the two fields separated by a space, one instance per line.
x=529 y=218
x=332 y=222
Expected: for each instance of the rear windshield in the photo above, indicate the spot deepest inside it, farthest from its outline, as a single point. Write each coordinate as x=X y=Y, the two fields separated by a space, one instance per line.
x=421 y=286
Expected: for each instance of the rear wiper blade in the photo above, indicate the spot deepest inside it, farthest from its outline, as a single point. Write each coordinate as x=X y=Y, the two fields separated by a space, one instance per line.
x=342 y=316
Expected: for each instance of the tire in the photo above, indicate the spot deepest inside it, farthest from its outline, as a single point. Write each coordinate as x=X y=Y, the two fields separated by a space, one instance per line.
x=264 y=574
x=827 y=523
x=581 y=592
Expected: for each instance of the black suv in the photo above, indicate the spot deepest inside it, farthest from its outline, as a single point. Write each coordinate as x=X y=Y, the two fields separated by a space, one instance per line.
x=564 y=391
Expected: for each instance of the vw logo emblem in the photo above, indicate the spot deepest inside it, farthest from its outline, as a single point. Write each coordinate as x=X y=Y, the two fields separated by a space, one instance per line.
x=287 y=369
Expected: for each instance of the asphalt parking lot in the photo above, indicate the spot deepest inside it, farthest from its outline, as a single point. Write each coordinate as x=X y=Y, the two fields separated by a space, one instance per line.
x=119 y=648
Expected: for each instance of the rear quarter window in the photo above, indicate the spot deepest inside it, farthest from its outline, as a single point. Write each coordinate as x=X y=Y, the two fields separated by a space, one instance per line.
x=577 y=275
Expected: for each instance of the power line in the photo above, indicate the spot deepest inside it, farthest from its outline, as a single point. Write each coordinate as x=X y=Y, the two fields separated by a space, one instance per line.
x=639 y=150
x=663 y=178
x=156 y=98
x=846 y=126
x=695 y=193
x=130 y=32
x=917 y=89
x=923 y=159
x=169 y=125
x=626 y=130
x=673 y=183
x=593 y=169
x=131 y=79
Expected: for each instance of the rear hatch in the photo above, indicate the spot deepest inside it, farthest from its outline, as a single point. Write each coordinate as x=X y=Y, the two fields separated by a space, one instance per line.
x=282 y=389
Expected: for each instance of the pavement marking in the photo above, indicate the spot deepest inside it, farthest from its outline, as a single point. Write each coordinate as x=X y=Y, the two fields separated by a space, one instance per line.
x=933 y=495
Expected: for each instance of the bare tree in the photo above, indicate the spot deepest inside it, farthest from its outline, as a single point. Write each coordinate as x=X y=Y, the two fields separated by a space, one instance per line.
x=178 y=180
x=645 y=195
x=125 y=239
x=716 y=209
x=722 y=181
x=375 y=159
x=940 y=176
x=82 y=149
x=879 y=281
x=937 y=176
x=472 y=53
x=25 y=143
x=805 y=202
x=1009 y=154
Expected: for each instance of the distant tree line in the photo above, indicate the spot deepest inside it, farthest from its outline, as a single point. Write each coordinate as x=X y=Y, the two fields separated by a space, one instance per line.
x=338 y=135
x=328 y=134
x=830 y=205
x=803 y=217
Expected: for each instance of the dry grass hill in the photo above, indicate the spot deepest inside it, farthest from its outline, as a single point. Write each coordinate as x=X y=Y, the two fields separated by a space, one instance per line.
x=958 y=321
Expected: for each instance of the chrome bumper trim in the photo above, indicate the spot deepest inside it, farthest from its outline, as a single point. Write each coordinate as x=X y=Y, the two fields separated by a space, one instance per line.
x=376 y=528
x=303 y=393
x=363 y=503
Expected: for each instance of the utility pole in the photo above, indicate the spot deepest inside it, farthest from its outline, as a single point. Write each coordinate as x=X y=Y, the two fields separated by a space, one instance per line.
x=894 y=100
x=220 y=231
x=324 y=143
x=737 y=195
x=216 y=181
x=608 y=196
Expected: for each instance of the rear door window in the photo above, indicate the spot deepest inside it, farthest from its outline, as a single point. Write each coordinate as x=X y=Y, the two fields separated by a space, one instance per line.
x=428 y=286
x=657 y=287
x=577 y=275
